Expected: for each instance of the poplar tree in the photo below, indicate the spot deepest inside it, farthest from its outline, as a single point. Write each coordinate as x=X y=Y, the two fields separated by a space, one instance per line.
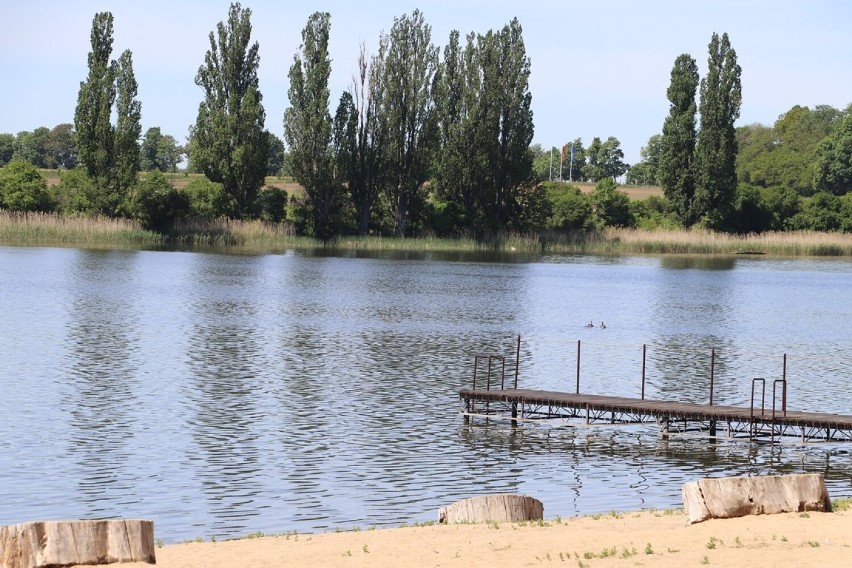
x=716 y=150
x=109 y=154
x=368 y=161
x=677 y=146
x=307 y=122
x=228 y=142
x=127 y=128
x=409 y=62
x=94 y=131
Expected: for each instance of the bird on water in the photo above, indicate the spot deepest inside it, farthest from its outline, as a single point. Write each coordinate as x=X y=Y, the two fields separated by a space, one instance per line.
x=603 y=325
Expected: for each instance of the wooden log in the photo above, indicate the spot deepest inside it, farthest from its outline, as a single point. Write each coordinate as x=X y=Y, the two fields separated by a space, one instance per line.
x=499 y=508
x=42 y=544
x=727 y=497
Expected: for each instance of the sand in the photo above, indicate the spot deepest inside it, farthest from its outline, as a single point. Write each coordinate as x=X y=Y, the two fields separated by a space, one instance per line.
x=623 y=539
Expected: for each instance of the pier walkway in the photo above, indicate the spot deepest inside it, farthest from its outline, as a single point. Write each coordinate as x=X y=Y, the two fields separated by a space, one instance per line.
x=497 y=396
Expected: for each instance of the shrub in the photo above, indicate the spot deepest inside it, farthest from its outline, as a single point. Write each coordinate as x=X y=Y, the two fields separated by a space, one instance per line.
x=272 y=204
x=72 y=194
x=157 y=204
x=612 y=207
x=23 y=189
x=570 y=209
x=207 y=199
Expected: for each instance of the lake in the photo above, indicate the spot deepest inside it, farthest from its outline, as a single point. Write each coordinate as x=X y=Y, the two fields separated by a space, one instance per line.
x=225 y=394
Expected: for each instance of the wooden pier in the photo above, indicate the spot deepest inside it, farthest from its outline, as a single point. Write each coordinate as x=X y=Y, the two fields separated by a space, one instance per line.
x=497 y=396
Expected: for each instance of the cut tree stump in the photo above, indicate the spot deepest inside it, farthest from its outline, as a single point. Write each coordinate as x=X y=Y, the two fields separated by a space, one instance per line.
x=41 y=544
x=499 y=508
x=727 y=497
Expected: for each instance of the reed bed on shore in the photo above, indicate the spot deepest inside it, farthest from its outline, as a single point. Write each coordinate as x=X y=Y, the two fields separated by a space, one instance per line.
x=54 y=229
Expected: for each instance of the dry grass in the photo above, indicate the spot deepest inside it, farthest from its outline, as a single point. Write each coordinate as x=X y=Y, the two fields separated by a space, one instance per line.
x=47 y=229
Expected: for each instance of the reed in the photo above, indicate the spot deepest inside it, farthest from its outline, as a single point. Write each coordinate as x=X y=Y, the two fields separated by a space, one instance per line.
x=49 y=228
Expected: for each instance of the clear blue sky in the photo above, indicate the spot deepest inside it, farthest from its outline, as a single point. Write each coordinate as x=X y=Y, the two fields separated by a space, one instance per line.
x=598 y=68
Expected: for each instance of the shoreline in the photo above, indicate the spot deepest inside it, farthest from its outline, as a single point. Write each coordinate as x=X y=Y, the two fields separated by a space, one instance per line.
x=648 y=538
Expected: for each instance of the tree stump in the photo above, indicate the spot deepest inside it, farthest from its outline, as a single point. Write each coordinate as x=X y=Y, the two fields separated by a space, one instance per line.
x=53 y=544
x=499 y=508
x=727 y=497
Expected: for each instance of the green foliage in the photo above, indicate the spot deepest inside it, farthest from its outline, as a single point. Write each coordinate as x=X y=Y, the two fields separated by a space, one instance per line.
x=7 y=148
x=109 y=154
x=207 y=199
x=32 y=146
x=675 y=172
x=22 y=188
x=74 y=192
x=94 y=131
x=61 y=147
x=157 y=204
x=276 y=156
x=645 y=172
x=570 y=209
x=159 y=152
x=751 y=212
x=228 y=142
x=272 y=203
x=784 y=155
x=611 y=207
x=821 y=212
x=127 y=129
x=307 y=123
x=408 y=63
x=716 y=149
x=535 y=208
x=655 y=213
x=833 y=166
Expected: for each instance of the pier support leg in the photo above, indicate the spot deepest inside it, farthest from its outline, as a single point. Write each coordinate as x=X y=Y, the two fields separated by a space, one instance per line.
x=467 y=411
x=712 y=431
x=514 y=414
x=663 y=423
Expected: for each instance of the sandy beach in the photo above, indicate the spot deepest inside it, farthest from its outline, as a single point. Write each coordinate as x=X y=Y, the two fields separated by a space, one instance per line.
x=656 y=538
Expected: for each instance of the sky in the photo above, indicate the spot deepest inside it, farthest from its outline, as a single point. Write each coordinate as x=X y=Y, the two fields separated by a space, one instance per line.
x=599 y=68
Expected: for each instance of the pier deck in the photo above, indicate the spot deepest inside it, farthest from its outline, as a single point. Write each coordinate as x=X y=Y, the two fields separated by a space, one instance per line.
x=501 y=398
x=672 y=417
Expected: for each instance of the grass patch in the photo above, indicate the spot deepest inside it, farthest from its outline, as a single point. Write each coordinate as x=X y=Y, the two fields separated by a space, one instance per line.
x=839 y=505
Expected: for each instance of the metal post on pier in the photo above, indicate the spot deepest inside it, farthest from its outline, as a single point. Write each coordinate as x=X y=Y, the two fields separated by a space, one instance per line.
x=644 y=353
x=712 y=372
x=517 y=361
x=578 y=367
x=784 y=389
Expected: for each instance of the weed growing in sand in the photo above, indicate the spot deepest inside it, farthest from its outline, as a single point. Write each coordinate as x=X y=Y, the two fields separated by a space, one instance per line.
x=649 y=549
x=783 y=539
x=347 y=553
x=628 y=553
x=365 y=549
x=841 y=505
x=159 y=542
x=580 y=564
x=738 y=542
x=494 y=525
x=805 y=515
x=705 y=560
x=813 y=543
x=558 y=520
x=711 y=544
x=672 y=550
x=495 y=548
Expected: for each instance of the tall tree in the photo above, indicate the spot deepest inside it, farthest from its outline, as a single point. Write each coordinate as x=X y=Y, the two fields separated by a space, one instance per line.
x=409 y=66
x=228 y=141
x=611 y=158
x=716 y=150
x=592 y=170
x=110 y=154
x=277 y=154
x=677 y=147
x=127 y=128
x=368 y=159
x=95 y=133
x=307 y=123
x=645 y=172
x=505 y=111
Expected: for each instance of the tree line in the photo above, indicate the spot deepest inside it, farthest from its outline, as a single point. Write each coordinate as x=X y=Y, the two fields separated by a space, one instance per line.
x=425 y=139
